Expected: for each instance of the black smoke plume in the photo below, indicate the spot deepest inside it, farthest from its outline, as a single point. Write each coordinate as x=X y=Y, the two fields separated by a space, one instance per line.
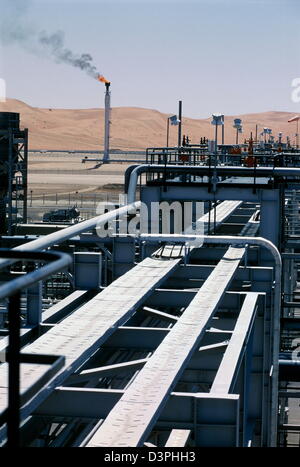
x=54 y=44
x=16 y=28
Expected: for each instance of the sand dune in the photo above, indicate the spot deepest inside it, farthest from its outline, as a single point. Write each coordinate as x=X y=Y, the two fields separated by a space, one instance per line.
x=131 y=127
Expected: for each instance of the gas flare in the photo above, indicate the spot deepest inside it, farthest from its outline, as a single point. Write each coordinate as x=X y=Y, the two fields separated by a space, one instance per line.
x=102 y=79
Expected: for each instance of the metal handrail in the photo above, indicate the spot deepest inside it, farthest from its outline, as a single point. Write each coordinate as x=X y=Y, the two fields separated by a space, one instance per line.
x=60 y=261
x=11 y=290
x=60 y=236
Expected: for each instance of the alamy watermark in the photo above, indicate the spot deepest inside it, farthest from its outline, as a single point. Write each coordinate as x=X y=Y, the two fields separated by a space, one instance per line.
x=179 y=218
x=2 y=90
x=295 y=95
x=296 y=349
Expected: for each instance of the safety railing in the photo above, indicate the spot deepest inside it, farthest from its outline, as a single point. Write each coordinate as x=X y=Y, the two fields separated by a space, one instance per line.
x=56 y=261
x=235 y=156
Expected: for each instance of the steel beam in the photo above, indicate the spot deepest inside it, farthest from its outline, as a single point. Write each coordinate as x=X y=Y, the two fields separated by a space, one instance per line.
x=65 y=306
x=160 y=315
x=79 y=402
x=225 y=377
x=178 y=438
x=132 y=419
x=107 y=371
x=214 y=419
x=95 y=321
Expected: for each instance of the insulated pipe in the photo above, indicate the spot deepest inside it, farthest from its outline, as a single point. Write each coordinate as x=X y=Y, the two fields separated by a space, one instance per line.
x=127 y=175
x=134 y=173
x=257 y=241
x=60 y=236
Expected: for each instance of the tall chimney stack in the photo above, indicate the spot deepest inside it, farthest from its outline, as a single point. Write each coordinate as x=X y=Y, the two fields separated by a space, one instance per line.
x=107 y=124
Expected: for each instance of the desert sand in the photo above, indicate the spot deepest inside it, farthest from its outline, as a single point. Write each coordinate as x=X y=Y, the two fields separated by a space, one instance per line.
x=131 y=127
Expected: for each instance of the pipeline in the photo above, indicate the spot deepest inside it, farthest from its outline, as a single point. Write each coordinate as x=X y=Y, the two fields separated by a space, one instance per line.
x=133 y=172
x=60 y=236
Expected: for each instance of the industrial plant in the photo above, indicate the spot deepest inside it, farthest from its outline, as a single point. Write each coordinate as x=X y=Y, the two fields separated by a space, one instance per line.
x=168 y=320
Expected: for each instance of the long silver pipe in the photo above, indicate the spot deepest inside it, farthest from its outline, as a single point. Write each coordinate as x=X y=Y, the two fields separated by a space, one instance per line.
x=55 y=238
x=203 y=170
x=262 y=242
x=59 y=261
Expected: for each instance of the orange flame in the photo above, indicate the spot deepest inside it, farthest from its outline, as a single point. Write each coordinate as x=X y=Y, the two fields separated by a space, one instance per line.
x=103 y=80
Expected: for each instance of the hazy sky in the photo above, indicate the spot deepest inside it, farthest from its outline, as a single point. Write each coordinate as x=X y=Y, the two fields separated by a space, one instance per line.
x=228 y=56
